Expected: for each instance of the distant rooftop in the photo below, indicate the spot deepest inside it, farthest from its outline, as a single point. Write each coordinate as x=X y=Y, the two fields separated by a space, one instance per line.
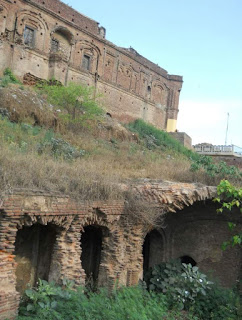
x=218 y=150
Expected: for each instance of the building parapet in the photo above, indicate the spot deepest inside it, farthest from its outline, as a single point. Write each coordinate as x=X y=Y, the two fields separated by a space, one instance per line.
x=219 y=150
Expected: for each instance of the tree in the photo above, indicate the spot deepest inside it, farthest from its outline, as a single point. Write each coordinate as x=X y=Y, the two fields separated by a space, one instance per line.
x=76 y=99
x=230 y=197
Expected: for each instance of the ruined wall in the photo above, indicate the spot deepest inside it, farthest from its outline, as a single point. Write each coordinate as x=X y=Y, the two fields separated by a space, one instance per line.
x=183 y=138
x=49 y=39
x=198 y=232
x=46 y=236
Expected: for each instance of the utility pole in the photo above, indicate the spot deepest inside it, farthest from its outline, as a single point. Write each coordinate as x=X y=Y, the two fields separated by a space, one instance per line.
x=226 y=135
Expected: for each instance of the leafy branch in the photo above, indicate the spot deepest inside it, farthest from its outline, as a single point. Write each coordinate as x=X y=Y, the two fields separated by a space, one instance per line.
x=230 y=197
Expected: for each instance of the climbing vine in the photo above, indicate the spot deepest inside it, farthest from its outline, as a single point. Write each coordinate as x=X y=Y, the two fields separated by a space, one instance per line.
x=230 y=197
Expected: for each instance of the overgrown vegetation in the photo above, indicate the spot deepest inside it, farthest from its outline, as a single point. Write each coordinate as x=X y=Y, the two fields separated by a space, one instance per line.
x=183 y=283
x=70 y=138
x=78 y=102
x=154 y=138
x=230 y=197
x=51 y=302
x=186 y=288
x=175 y=292
x=8 y=77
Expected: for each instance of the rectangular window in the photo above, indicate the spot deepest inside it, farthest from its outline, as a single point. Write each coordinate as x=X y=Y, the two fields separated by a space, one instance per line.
x=29 y=35
x=86 y=62
x=54 y=45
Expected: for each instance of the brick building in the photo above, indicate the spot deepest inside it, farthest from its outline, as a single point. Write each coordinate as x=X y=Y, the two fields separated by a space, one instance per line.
x=51 y=237
x=49 y=39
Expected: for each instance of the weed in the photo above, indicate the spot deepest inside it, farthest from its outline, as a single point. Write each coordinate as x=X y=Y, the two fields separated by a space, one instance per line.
x=8 y=77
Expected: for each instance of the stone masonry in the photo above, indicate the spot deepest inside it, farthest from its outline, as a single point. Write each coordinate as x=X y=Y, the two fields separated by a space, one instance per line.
x=49 y=39
x=49 y=236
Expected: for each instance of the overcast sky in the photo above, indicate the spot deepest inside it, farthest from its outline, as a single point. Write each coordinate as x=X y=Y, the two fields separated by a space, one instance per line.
x=198 y=39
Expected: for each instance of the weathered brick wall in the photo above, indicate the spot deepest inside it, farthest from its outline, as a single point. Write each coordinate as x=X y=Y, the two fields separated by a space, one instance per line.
x=193 y=229
x=183 y=138
x=199 y=232
x=132 y=86
x=69 y=218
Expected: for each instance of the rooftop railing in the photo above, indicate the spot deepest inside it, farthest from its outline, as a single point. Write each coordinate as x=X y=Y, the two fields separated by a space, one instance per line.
x=219 y=150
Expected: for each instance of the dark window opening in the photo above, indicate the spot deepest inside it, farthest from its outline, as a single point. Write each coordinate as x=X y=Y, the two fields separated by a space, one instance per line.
x=91 y=244
x=29 y=36
x=188 y=260
x=86 y=62
x=54 y=45
x=33 y=249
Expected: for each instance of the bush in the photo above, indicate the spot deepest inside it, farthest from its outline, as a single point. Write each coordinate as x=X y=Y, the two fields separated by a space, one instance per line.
x=182 y=283
x=60 y=148
x=218 y=304
x=187 y=288
x=8 y=77
x=53 y=302
x=77 y=101
x=219 y=169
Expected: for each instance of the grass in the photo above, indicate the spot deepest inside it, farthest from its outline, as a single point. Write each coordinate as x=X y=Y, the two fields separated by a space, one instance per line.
x=35 y=157
x=125 y=303
x=154 y=137
x=73 y=149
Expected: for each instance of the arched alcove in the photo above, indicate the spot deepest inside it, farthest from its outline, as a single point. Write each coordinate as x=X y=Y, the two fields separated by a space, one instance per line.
x=33 y=254
x=91 y=244
x=153 y=250
x=61 y=42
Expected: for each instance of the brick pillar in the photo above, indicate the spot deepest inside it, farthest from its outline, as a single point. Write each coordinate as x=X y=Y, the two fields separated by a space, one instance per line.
x=9 y=297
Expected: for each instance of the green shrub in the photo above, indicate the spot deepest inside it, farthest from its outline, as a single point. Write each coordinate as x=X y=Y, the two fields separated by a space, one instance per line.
x=182 y=283
x=78 y=102
x=60 y=148
x=8 y=77
x=218 y=304
x=52 y=302
x=220 y=169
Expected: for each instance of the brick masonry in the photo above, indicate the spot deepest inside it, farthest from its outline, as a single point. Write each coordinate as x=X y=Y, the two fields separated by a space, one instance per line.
x=50 y=39
x=191 y=228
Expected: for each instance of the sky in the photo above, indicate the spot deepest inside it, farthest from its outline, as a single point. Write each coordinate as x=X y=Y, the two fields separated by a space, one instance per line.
x=198 y=39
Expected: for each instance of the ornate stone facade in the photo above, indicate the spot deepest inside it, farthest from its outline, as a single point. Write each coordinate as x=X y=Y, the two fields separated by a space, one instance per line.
x=52 y=237
x=50 y=39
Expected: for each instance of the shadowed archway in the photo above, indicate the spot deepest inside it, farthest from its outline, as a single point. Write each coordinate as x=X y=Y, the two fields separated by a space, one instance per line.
x=33 y=250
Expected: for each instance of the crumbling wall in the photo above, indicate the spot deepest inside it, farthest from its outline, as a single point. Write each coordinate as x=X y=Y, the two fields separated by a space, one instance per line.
x=41 y=235
x=199 y=232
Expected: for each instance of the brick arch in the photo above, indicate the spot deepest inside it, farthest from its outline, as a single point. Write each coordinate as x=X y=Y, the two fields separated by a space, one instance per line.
x=153 y=248
x=65 y=32
x=124 y=77
x=159 y=93
x=62 y=222
x=31 y=19
x=34 y=253
x=82 y=48
x=109 y=268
